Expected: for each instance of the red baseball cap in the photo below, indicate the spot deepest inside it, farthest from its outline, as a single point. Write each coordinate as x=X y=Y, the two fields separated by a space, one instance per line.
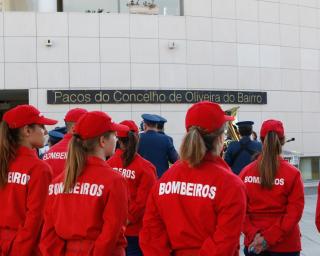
x=74 y=114
x=95 y=123
x=23 y=115
x=207 y=115
x=131 y=127
x=272 y=126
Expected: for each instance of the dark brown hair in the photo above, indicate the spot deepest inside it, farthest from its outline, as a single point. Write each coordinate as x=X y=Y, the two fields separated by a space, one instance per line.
x=130 y=146
x=9 y=139
x=77 y=155
x=268 y=162
x=196 y=143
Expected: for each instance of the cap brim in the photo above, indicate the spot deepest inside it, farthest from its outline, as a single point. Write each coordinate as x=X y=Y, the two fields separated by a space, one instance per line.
x=229 y=118
x=119 y=127
x=46 y=121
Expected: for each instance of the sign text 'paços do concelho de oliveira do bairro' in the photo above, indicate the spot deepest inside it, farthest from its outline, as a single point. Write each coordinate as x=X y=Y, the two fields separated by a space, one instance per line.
x=153 y=97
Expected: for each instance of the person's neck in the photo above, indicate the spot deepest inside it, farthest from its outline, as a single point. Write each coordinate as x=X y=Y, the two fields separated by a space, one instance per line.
x=98 y=154
x=151 y=129
x=26 y=144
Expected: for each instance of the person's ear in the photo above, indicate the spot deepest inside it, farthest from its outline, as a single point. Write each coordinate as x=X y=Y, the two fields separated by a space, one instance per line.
x=102 y=141
x=25 y=131
x=221 y=138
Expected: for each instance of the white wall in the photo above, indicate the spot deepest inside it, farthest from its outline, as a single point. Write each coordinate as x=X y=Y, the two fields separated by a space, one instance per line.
x=249 y=44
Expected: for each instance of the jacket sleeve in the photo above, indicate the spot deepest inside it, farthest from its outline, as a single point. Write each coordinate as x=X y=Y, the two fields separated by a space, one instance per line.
x=318 y=210
x=228 y=155
x=153 y=238
x=172 y=153
x=248 y=229
x=28 y=234
x=114 y=217
x=291 y=218
x=231 y=211
x=137 y=207
x=50 y=243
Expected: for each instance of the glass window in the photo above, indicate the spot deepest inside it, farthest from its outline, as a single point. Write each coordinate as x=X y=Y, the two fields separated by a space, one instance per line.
x=309 y=167
x=20 y=5
x=166 y=7
x=170 y=7
x=90 y=5
x=163 y=7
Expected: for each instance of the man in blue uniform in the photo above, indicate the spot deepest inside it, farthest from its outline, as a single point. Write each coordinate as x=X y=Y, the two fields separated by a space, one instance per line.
x=155 y=147
x=160 y=126
x=241 y=153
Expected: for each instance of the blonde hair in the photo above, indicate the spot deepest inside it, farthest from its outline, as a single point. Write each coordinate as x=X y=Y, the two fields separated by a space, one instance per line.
x=76 y=160
x=196 y=143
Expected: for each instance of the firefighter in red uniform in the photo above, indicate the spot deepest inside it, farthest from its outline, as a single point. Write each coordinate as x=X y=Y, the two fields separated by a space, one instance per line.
x=140 y=175
x=318 y=210
x=24 y=180
x=87 y=206
x=57 y=155
x=275 y=198
x=198 y=206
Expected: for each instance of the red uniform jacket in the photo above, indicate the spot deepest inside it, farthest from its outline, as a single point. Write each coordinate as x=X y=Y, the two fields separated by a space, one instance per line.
x=275 y=213
x=140 y=176
x=318 y=210
x=57 y=155
x=22 y=202
x=94 y=213
x=194 y=211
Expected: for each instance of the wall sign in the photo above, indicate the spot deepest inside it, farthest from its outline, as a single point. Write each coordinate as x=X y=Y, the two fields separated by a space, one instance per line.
x=153 y=97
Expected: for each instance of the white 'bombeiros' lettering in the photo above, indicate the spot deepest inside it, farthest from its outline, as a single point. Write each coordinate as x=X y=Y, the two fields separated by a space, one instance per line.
x=256 y=180
x=187 y=189
x=127 y=173
x=55 y=155
x=78 y=189
x=18 y=178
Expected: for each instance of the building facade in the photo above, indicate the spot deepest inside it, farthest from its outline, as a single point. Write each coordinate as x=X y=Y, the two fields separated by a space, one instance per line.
x=252 y=45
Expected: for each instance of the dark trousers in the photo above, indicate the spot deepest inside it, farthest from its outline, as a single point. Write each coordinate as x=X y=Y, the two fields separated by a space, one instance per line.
x=133 y=248
x=266 y=253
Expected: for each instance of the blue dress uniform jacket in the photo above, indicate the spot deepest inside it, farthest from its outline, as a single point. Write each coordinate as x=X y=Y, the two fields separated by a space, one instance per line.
x=169 y=137
x=158 y=149
x=240 y=153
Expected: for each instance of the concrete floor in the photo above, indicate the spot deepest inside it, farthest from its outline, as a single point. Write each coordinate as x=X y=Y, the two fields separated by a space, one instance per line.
x=310 y=235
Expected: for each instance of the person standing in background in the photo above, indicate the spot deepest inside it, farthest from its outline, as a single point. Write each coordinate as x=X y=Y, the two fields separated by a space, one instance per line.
x=57 y=154
x=87 y=207
x=198 y=206
x=241 y=153
x=160 y=126
x=275 y=196
x=24 y=180
x=156 y=147
x=140 y=175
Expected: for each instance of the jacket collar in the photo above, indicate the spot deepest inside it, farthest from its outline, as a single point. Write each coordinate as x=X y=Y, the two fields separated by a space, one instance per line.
x=215 y=159
x=25 y=151
x=93 y=160
x=67 y=136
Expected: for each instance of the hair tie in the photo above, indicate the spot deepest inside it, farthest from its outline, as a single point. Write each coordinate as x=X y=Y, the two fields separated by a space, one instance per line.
x=77 y=137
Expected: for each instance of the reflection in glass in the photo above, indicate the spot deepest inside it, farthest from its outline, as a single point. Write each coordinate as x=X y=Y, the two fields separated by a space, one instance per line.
x=166 y=7
x=19 y=5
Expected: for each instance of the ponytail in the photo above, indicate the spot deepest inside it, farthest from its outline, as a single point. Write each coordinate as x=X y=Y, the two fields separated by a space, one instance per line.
x=268 y=163
x=196 y=143
x=75 y=162
x=130 y=145
x=8 y=143
x=77 y=156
